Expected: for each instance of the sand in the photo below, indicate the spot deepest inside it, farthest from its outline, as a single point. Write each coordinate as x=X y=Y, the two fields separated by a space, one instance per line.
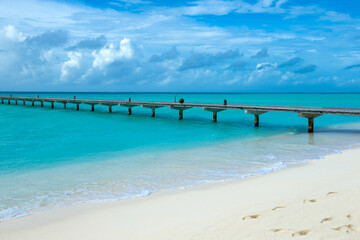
x=317 y=200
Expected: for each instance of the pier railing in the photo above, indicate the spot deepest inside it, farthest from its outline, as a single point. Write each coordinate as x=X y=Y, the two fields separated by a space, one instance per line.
x=307 y=112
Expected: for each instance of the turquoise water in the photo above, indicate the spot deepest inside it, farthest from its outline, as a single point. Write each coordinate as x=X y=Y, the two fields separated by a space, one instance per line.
x=54 y=158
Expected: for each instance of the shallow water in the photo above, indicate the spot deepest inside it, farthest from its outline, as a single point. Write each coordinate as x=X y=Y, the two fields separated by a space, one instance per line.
x=53 y=158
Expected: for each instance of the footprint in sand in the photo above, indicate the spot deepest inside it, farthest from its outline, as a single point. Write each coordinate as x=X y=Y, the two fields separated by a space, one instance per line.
x=251 y=217
x=351 y=217
x=310 y=200
x=327 y=219
x=330 y=193
x=346 y=228
x=275 y=208
x=276 y=230
x=301 y=233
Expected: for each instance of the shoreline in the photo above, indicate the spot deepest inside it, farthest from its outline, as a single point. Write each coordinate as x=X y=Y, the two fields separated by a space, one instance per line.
x=279 y=205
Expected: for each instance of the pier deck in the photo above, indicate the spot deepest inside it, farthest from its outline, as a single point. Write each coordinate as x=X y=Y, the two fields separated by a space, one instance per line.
x=256 y=110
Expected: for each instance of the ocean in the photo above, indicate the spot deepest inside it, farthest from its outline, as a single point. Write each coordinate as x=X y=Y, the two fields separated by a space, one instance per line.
x=51 y=158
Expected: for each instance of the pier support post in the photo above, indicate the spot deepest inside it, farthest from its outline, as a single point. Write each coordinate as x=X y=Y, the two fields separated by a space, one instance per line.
x=42 y=104
x=9 y=101
x=256 y=120
x=153 y=107
x=110 y=110
x=214 y=111
x=181 y=110
x=77 y=107
x=52 y=104
x=24 y=102
x=33 y=104
x=256 y=114
x=92 y=108
x=310 y=125
x=16 y=103
x=310 y=117
x=129 y=105
x=64 y=105
x=2 y=101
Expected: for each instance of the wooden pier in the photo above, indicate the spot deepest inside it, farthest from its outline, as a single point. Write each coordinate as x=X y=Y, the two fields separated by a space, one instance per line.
x=307 y=112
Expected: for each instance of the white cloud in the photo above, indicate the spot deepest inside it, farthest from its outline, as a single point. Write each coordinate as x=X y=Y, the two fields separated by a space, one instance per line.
x=335 y=17
x=46 y=56
x=212 y=7
x=166 y=81
x=280 y=2
x=68 y=66
x=311 y=38
x=13 y=34
x=265 y=66
x=111 y=53
x=266 y=3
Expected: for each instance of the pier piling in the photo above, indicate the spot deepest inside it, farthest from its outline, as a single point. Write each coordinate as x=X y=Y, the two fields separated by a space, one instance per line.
x=92 y=107
x=64 y=105
x=77 y=107
x=32 y=103
x=42 y=104
x=52 y=104
x=129 y=110
x=214 y=111
x=110 y=110
x=16 y=103
x=256 y=124
x=180 y=108
x=310 y=117
x=214 y=116
x=153 y=107
x=9 y=101
x=24 y=103
x=310 y=125
x=256 y=114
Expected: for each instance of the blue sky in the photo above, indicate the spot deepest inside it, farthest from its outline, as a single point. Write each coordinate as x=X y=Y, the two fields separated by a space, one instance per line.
x=144 y=45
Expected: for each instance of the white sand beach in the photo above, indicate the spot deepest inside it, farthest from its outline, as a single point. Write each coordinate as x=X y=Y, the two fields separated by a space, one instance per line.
x=317 y=200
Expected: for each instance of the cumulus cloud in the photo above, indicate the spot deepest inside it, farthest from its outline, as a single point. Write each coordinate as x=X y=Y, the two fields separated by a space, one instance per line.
x=237 y=65
x=291 y=62
x=13 y=34
x=307 y=69
x=49 y=39
x=265 y=66
x=39 y=53
x=172 y=54
x=263 y=53
x=111 y=53
x=71 y=64
x=199 y=60
x=92 y=44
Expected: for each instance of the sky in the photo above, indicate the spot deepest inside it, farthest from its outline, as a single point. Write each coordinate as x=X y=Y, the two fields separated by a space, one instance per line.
x=180 y=46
